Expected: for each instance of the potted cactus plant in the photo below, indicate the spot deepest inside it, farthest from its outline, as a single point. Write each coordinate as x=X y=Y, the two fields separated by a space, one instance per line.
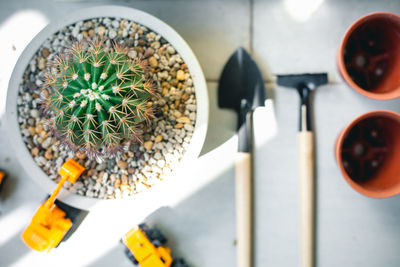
x=97 y=98
x=117 y=90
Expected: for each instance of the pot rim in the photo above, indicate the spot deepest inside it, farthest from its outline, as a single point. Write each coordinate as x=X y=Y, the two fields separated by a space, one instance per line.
x=339 y=143
x=112 y=11
x=340 y=57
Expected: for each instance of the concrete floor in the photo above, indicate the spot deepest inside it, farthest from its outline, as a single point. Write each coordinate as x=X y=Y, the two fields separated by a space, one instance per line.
x=352 y=230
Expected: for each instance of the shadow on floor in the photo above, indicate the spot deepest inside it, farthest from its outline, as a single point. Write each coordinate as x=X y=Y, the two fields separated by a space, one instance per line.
x=193 y=230
x=15 y=249
x=221 y=123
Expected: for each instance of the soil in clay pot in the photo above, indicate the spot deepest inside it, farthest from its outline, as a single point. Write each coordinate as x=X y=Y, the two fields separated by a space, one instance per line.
x=365 y=149
x=371 y=53
x=140 y=165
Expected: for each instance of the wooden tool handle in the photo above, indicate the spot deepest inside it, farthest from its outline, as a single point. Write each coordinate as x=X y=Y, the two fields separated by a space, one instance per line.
x=306 y=183
x=244 y=209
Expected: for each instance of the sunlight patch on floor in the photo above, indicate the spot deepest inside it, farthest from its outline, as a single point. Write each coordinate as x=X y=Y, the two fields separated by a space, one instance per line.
x=18 y=29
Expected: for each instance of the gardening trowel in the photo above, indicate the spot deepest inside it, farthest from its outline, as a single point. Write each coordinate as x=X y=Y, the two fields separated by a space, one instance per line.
x=241 y=88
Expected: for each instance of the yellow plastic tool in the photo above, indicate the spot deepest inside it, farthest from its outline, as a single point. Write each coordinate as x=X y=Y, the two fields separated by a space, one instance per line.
x=145 y=253
x=2 y=177
x=49 y=225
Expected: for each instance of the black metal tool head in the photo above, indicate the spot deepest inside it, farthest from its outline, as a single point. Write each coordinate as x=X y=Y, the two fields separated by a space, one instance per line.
x=241 y=80
x=309 y=80
x=304 y=83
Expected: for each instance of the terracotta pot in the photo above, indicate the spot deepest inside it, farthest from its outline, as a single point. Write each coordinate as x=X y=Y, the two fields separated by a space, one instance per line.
x=369 y=56
x=368 y=153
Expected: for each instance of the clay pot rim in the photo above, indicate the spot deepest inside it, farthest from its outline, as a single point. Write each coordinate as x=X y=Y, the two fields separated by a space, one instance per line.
x=339 y=142
x=340 y=57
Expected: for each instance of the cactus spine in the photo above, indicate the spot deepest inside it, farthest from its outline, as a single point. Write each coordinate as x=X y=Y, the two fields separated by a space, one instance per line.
x=97 y=97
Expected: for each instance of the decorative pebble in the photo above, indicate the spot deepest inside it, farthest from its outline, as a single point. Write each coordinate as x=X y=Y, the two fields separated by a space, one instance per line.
x=183 y=119
x=35 y=151
x=122 y=164
x=46 y=143
x=180 y=75
x=148 y=145
x=34 y=113
x=171 y=50
x=124 y=179
x=149 y=52
x=48 y=154
x=158 y=138
x=112 y=34
x=132 y=54
x=153 y=62
x=178 y=125
x=45 y=52
x=80 y=155
x=101 y=31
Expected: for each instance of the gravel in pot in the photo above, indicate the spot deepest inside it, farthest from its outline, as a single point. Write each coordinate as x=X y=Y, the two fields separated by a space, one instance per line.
x=140 y=165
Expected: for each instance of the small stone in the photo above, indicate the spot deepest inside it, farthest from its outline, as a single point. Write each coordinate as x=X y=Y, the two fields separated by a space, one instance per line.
x=124 y=179
x=171 y=50
x=149 y=52
x=177 y=114
x=39 y=127
x=117 y=183
x=45 y=52
x=115 y=23
x=101 y=167
x=185 y=97
x=104 y=175
x=32 y=86
x=158 y=139
x=43 y=134
x=122 y=164
x=101 y=31
x=148 y=145
x=189 y=127
x=157 y=156
x=75 y=31
x=191 y=107
x=35 y=151
x=155 y=45
x=41 y=161
x=32 y=130
x=46 y=143
x=91 y=33
x=85 y=34
x=161 y=163
x=178 y=125
x=113 y=177
x=139 y=49
x=164 y=92
x=48 y=154
x=80 y=155
x=132 y=54
x=112 y=34
x=183 y=119
x=153 y=62
x=34 y=113
x=180 y=75
x=125 y=188
x=90 y=172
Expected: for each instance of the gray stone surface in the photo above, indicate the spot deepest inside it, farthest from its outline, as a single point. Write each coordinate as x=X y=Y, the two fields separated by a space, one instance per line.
x=199 y=217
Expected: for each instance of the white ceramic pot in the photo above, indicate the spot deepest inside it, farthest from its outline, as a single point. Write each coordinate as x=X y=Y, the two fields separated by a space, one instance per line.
x=140 y=17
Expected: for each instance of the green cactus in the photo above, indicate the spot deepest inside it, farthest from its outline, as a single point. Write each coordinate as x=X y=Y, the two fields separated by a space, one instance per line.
x=97 y=97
